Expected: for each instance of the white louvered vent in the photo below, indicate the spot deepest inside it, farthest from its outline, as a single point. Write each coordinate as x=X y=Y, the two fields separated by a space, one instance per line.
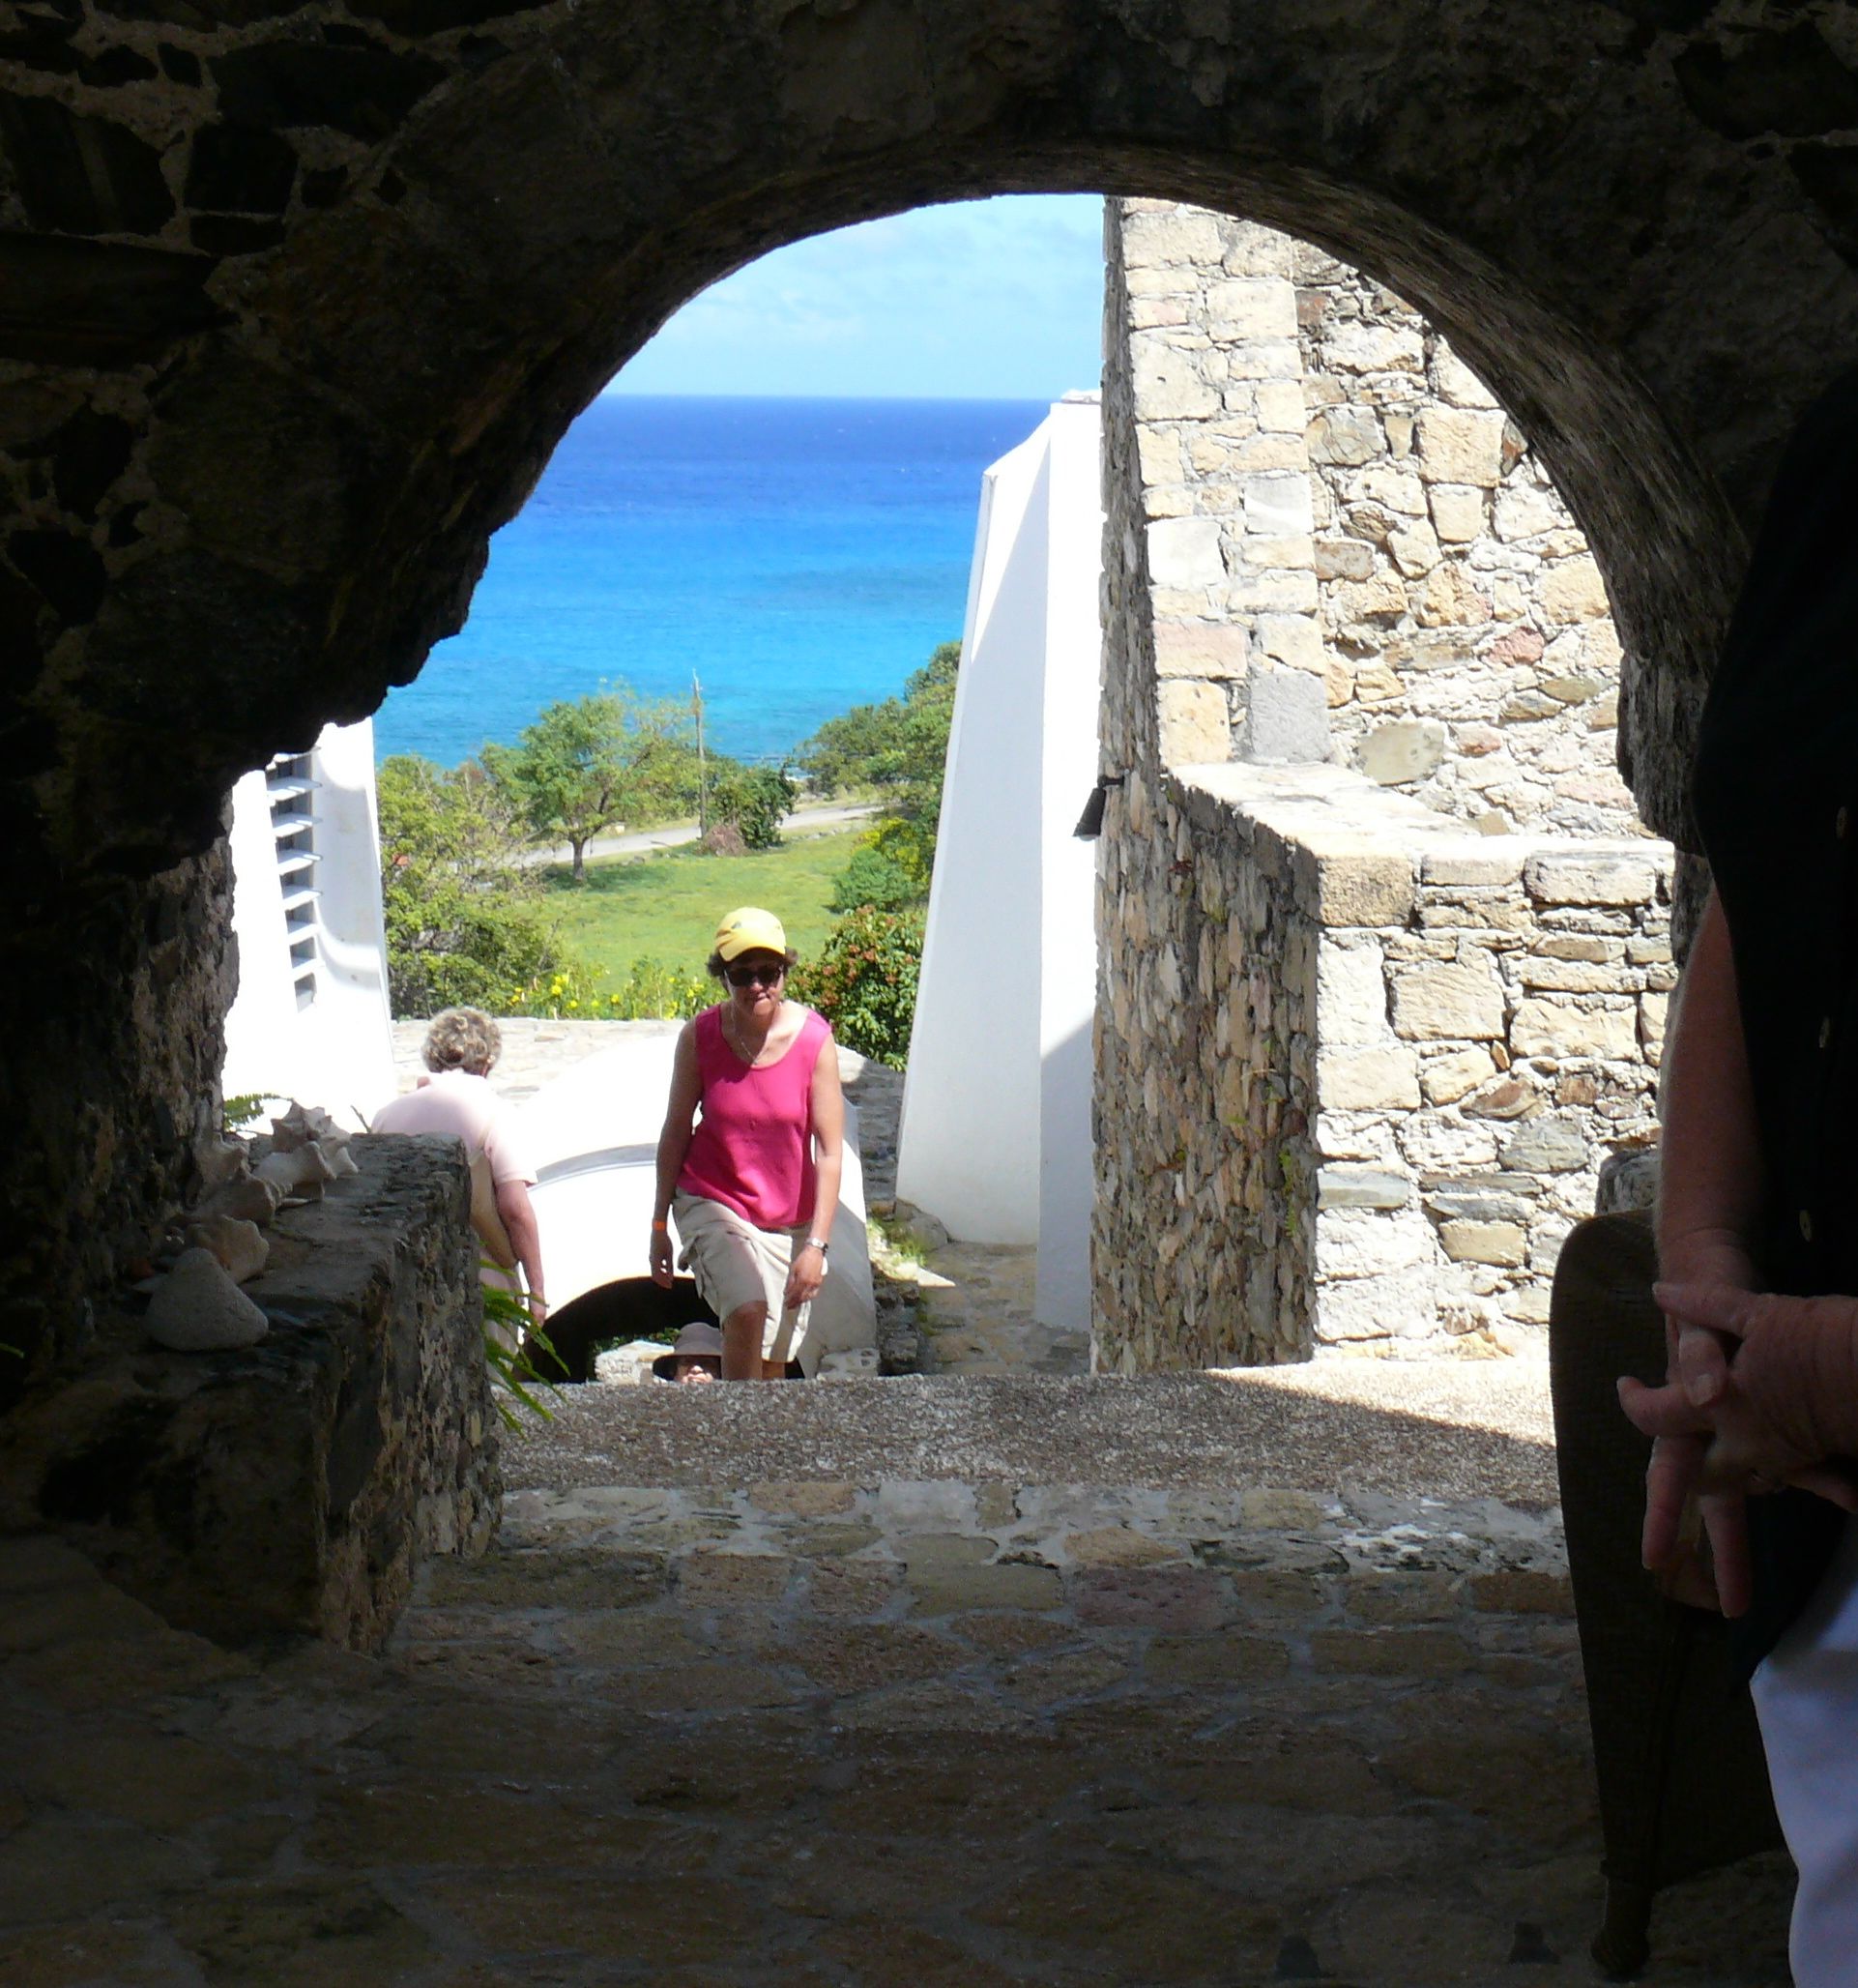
x=291 y=785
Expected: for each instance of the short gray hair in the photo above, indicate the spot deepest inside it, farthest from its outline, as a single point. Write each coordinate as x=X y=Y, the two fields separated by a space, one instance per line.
x=462 y=1039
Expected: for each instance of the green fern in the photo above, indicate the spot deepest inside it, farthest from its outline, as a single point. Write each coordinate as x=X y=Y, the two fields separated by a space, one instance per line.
x=511 y=1357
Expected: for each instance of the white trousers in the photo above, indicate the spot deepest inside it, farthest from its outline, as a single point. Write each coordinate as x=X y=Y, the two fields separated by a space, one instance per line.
x=1806 y=1697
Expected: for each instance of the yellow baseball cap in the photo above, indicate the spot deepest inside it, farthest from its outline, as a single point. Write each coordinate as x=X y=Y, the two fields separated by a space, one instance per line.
x=750 y=929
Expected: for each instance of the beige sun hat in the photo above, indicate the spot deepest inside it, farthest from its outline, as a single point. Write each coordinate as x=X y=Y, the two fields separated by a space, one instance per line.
x=696 y=1341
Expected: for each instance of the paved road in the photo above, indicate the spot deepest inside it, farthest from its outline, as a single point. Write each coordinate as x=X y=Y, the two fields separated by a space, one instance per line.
x=803 y=821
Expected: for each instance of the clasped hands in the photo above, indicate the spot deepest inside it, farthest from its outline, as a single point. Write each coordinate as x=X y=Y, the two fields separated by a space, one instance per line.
x=1760 y=1391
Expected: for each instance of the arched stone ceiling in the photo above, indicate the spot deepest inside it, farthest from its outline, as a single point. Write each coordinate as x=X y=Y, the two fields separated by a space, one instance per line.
x=297 y=299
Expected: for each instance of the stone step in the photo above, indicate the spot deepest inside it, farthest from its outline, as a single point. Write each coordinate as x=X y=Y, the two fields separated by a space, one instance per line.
x=1459 y=1433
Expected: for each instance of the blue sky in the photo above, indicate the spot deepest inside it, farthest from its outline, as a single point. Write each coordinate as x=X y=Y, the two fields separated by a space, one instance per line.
x=982 y=300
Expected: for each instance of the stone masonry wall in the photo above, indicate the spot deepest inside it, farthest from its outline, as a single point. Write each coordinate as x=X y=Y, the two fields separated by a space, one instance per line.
x=1328 y=488
x=293 y=1486
x=1359 y=1061
x=1489 y=1022
x=1386 y=1060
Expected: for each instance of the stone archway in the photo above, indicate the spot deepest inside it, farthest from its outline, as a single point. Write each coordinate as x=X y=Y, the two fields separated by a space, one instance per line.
x=294 y=310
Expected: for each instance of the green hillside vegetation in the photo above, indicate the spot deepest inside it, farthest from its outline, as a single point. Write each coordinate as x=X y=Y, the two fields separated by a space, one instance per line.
x=471 y=915
x=665 y=907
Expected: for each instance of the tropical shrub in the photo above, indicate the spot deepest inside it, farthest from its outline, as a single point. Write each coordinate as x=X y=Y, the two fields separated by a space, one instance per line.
x=864 y=980
x=873 y=878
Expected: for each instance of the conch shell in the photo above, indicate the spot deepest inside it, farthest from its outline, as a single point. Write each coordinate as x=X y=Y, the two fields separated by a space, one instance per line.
x=302 y=1172
x=241 y=1252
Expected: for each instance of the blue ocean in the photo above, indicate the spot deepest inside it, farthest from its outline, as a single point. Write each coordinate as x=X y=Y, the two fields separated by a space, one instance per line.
x=799 y=556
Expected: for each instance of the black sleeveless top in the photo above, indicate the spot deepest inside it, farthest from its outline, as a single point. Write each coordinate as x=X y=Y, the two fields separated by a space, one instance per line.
x=1776 y=800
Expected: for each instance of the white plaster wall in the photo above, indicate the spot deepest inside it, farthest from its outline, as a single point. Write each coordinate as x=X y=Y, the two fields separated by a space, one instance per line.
x=995 y=1140
x=337 y=1050
x=1067 y=867
x=968 y=1139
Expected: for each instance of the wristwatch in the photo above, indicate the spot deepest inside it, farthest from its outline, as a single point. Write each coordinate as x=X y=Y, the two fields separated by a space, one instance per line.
x=817 y=1243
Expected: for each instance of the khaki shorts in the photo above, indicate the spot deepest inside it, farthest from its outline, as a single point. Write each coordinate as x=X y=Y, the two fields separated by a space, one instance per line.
x=737 y=1263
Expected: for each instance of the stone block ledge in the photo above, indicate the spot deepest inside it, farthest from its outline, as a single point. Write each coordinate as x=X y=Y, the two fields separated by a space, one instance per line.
x=1391 y=997
x=289 y=1487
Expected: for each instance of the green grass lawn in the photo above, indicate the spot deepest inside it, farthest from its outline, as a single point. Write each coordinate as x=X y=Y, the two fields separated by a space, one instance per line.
x=666 y=906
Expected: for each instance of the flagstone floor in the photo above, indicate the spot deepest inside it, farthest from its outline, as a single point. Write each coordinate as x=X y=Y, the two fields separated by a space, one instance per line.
x=849 y=1686
x=945 y=1681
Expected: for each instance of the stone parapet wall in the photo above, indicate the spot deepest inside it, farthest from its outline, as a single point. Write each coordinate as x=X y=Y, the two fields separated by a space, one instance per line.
x=1326 y=486
x=1368 y=1065
x=292 y=1486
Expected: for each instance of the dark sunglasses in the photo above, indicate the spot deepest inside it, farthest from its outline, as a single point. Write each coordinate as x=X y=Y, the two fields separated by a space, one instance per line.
x=755 y=975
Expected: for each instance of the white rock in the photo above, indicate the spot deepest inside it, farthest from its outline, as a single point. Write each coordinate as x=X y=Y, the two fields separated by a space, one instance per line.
x=1449 y=1000
x=237 y=1245
x=1360 y=1243
x=1560 y=1028
x=197 y=1308
x=1375 y=1079
x=861 y=1363
x=1351 y=991
x=1184 y=552
x=625 y=1366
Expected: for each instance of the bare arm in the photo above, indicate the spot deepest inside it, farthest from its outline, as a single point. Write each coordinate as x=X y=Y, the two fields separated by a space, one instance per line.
x=1710 y=1165
x=827 y=1102
x=518 y=1214
x=1708 y=1198
x=674 y=1143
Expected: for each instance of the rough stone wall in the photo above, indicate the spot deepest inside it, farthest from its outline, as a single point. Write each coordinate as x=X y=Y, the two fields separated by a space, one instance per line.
x=1470 y=653
x=1359 y=1064
x=108 y=1081
x=1329 y=488
x=1367 y=1066
x=1201 y=1243
x=1489 y=1033
x=293 y=1485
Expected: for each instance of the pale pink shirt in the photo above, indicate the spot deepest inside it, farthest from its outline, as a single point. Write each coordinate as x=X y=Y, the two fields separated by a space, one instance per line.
x=464 y=1105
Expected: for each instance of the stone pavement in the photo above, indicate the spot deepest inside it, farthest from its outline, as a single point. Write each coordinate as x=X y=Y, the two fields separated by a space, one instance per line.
x=834 y=1686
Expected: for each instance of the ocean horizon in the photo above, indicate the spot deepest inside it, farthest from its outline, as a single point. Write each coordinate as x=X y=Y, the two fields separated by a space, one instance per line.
x=799 y=556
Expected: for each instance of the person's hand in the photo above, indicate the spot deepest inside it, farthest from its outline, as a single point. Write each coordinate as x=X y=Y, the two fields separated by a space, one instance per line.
x=1676 y=1500
x=804 y=1278
x=659 y=1256
x=1777 y=1376
x=1679 y=1509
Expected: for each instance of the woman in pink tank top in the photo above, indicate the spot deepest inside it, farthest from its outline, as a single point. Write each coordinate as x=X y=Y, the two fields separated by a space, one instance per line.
x=751 y=1151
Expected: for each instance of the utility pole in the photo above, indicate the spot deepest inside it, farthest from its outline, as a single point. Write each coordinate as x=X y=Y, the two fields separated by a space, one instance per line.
x=703 y=765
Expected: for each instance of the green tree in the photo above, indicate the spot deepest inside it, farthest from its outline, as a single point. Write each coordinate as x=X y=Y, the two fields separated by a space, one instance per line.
x=589 y=762
x=859 y=749
x=756 y=798
x=464 y=918
x=901 y=749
